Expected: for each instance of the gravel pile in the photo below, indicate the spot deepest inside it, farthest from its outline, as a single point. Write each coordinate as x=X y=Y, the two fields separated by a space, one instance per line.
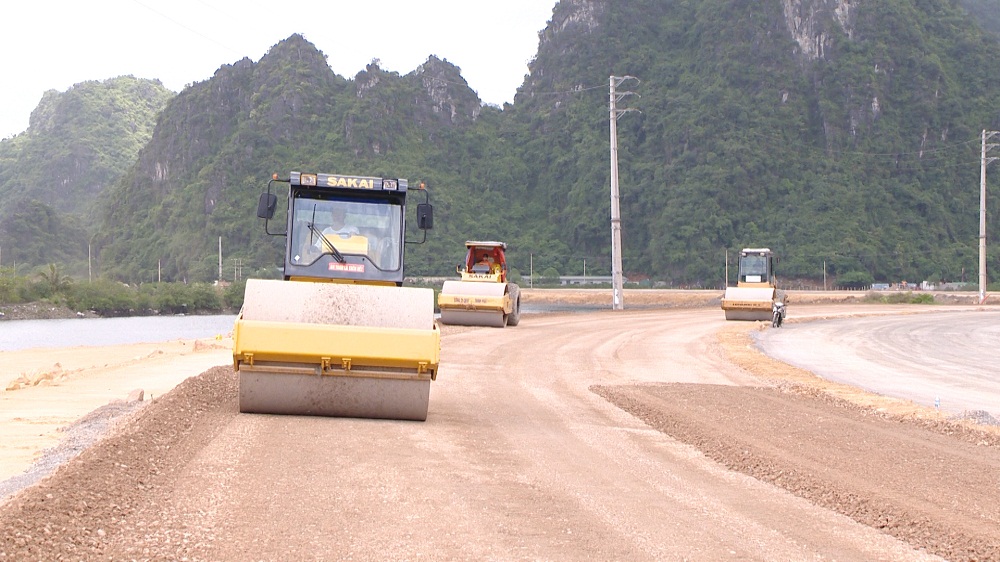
x=79 y=436
x=981 y=417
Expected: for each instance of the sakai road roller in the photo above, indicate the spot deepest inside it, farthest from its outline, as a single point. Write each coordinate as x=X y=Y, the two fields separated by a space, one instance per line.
x=755 y=296
x=484 y=296
x=340 y=335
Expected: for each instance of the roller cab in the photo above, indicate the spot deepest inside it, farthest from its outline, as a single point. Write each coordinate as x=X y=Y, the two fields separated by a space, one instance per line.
x=755 y=292
x=339 y=335
x=483 y=296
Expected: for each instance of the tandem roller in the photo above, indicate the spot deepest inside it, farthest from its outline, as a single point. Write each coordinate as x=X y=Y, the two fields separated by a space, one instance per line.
x=755 y=293
x=339 y=335
x=484 y=296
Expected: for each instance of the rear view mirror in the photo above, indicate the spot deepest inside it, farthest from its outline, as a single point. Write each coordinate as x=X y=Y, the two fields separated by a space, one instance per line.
x=266 y=205
x=425 y=216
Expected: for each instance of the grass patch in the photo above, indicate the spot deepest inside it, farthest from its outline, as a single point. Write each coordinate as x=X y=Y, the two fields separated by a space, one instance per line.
x=899 y=298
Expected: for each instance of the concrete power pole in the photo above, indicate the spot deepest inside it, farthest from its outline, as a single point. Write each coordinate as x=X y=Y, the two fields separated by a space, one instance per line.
x=982 y=214
x=618 y=300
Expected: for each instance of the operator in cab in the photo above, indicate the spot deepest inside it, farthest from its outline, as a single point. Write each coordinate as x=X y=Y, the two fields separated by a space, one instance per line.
x=484 y=265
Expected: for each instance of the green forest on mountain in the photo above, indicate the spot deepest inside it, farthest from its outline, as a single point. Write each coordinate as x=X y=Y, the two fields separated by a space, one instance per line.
x=861 y=164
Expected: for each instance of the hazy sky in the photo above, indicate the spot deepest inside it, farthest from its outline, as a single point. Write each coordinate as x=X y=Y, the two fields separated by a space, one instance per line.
x=54 y=44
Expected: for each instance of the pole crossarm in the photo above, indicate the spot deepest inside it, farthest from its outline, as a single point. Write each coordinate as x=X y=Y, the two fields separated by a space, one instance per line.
x=619 y=96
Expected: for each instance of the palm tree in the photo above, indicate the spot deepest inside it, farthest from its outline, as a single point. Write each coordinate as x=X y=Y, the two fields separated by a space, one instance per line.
x=54 y=282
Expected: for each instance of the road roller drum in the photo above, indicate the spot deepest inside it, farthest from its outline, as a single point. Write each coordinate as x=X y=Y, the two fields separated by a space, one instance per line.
x=483 y=296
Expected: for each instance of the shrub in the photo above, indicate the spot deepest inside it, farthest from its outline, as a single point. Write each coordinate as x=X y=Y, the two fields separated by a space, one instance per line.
x=12 y=287
x=855 y=280
x=203 y=297
x=900 y=298
x=104 y=297
x=549 y=277
x=232 y=297
x=182 y=298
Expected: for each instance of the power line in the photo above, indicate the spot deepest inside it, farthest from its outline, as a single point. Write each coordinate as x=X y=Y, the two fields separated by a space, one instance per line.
x=562 y=92
x=182 y=26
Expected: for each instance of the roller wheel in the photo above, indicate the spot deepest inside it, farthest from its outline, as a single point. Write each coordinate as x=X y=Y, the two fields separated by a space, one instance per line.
x=515 y=314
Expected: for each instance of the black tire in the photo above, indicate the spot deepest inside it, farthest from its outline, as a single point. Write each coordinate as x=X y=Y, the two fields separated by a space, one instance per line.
x=515 y=314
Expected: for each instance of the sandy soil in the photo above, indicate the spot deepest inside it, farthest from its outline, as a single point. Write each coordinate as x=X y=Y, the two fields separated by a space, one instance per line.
x=624 y=445
x=44 y=391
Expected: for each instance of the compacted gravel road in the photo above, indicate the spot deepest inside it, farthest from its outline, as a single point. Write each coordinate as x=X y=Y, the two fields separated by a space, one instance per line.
x=633 y=435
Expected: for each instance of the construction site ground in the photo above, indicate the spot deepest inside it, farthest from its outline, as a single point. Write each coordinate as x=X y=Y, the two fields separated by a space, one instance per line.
x=653 y=433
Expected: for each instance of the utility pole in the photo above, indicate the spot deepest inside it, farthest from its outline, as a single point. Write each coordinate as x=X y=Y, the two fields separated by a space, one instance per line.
x=982 y=214
x=220 y=258
x=725 y=282
x=618 y=301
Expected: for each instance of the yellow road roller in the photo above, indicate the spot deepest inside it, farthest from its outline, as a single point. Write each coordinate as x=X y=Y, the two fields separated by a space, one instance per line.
x=484 y=296
x=339 y=335
x=755 y=293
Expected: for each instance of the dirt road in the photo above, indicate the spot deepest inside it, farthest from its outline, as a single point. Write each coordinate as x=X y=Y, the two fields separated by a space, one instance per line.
x=649 y=435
